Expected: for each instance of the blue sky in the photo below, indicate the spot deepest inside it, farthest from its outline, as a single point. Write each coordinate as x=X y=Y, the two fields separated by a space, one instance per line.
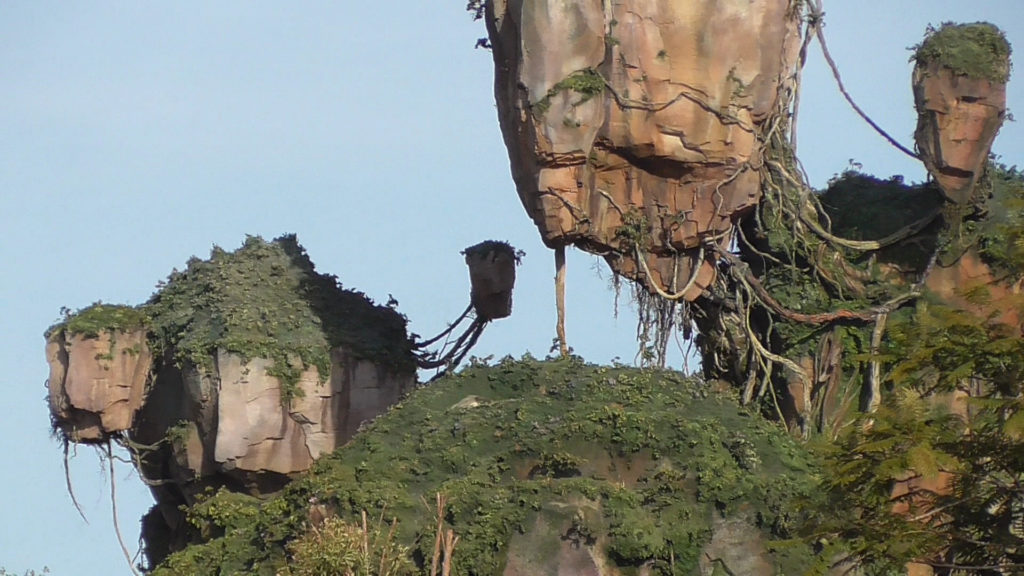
x=134 y=135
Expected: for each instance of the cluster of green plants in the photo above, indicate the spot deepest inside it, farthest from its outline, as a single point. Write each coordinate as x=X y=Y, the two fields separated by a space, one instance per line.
x=264 y=300
x=974 y=454
x=978 y=50
x=1001 y=231
x=100 y=318
x=488 y=247
x=587 y=83
x=340 y=547
x=643 y=458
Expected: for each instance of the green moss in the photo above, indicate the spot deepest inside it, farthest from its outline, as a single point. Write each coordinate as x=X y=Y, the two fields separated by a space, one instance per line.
x=488 y=247
x=1002 y=231
x=643 y=457
x=93 y=320
x=266 y=300
x=222 y=512
x=978 y=50
x=588 y=83
x=635 y=231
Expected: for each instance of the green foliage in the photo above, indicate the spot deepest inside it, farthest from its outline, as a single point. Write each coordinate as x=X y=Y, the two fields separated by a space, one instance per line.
x=905 y=438
x=634 y=232
x=979 y=519
x=1002 y=232
x=93 y=320
x=487 y=247
x=862 y=207
x=978 y=50
x=338 y=547
x=217 y=513
x=643 y=457
x=587 y=83
x=266 y=300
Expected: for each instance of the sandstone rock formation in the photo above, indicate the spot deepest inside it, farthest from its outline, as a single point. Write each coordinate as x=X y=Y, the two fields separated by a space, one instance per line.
x=632 y=127
x=97 y=382
x=264 y=365
x=229 y=427
x=960 y=94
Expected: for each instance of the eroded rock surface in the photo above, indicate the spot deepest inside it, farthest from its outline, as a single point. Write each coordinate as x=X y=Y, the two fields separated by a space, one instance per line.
x=230 y=426
x=264 y=365
x=958 y=119
x=960 y=93
x=633 y=124
x=96 y=382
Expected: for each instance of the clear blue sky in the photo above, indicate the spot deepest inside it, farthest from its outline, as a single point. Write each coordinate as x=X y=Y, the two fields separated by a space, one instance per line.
x=136 y=134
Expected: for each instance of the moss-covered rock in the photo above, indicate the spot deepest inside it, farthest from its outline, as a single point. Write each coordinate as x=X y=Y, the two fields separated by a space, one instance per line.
x=977 y=50
x=641 y=467
x=99 y=318
x=266 y=300
x=1002 y=230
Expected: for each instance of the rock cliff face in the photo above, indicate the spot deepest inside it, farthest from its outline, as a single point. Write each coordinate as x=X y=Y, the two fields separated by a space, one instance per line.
x=97 y=383
x=960 y=94
x=261 y=367
x=632 y=126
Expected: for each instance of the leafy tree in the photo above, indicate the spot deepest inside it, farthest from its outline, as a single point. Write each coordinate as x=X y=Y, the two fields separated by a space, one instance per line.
x=970 y=517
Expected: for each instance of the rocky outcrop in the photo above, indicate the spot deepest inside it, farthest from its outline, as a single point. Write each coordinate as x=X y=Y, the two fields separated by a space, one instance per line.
x=233 y=420
x=230 y=426
x=264 y=365
x=960 y=94
x=492 y=275
x=97 y=382
x=958 y=119
x=551 y=467
x=632 y=126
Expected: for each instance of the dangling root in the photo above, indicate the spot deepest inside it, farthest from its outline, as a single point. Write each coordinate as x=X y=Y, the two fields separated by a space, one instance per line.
x=451 y=359
x=815 y=23
x=67 y=480
x=113 y=510
x=446 y=331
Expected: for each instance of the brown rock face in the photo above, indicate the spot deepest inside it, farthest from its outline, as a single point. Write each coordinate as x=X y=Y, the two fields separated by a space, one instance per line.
x=958 y=119
x=640 y=113
x=229 y=426
x=194 y=428
x=96 y=384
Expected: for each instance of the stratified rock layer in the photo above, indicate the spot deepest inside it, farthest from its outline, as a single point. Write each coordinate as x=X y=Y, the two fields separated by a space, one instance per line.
x=640 y=113
x=230 y=427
